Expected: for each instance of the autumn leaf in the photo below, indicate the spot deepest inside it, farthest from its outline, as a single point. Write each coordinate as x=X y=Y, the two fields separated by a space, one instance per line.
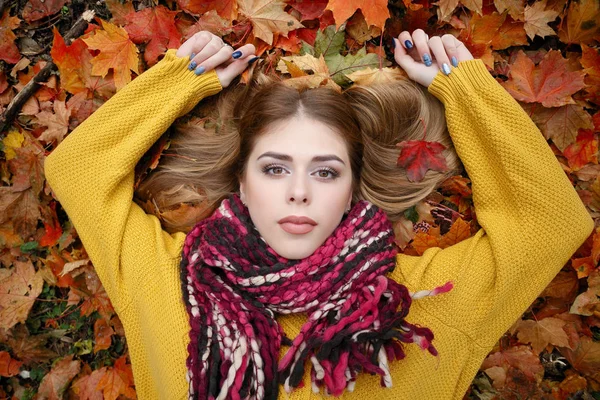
x=549 y=83
x=156 y=27
x=560 y=124
x=227 y=9
x=19 y=287
x=542 y=333
x=212 y=22
x=537 y=19
x=370 y=76
x=418 y=156
x=8 y=365
x=515 y=8
x=38 y=9
x=117 y=380
x=590 y=60
x=57 y=122
x=510 y=33
x=376 y=13
x=28 y=348
x=459 y=231
x=9 y=51
x=426 y=240
x=93 y=294
x=268 y=17
x=519 y=357
x=119 y=11
x=585 y=357
x=102 y=335
x=55 y=383
x=86 y=386
x=583 y=151
x=582 y=22
x=117 y=52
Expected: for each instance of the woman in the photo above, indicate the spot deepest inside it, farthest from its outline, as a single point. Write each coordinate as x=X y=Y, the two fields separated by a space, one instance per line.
x=532 y=221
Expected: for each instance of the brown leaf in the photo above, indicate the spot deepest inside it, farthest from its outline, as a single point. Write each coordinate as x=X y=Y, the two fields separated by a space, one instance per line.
x=519 y=357
x=8 y=365
x=102 y=335
x=28 y=348
x=55 y=383
x=541 y=333
x=90 y=289
x=564 y=285
x=38 y=9
x=583 y=22
x=19 y=287
x=585 y=357
x=57 y=122
x=86 y=386
x=9 y=51
x=268 y=17
x=537 y=19
x=515 y=8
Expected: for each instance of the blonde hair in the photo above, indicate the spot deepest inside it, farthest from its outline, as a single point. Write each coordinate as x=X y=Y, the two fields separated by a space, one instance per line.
x=207 y=156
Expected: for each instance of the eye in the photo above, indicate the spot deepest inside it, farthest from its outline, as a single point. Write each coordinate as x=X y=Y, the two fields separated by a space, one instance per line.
x=277 y=169
x=330 y=173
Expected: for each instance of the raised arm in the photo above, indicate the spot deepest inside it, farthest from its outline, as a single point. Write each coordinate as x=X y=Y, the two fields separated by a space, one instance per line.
x=92 y=171
x=532 y=218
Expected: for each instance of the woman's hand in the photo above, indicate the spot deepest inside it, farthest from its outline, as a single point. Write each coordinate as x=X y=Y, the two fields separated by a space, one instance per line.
x=207 y=51
x=422 y=58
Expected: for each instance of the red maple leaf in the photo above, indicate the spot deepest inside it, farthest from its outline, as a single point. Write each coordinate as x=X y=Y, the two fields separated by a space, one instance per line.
x=418 y=156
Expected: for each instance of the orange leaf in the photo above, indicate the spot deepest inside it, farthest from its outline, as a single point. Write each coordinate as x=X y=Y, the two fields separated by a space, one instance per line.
x=583 y=21
x=583 y=151
x=308 y=9
x=549 y=83
x=590 y=60
x=511 y=33
x=57 y=122
x=102 y=335
x=376 y=13
x=585 y=357
x=117 y=380
x=86 y=386
x=156 y=27
x=515 y=8
x=459 y=231
x=9 y=51
x=117 y=52
x=519 y=357
x=8 y=366
x=93 y=294
x=227 y=9
x=57 y=380
x=19 y=287
x=426 y=240
x=583 y=266
x=268 y=17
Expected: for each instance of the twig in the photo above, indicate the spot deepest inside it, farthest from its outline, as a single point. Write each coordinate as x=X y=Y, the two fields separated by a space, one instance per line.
x=33 y=85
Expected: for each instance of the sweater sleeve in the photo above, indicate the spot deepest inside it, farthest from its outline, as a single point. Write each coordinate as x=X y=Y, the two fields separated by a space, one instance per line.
x=531 y=216
x=91 y=173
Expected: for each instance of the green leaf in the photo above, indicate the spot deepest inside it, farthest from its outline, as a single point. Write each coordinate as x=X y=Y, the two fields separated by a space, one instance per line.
x=411 y=214
x=329 y=42
x=83 y=347
x=305 y=49
x=29 y=247
x=340 y=65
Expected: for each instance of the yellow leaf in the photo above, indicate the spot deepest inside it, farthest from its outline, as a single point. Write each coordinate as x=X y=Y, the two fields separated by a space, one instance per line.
x=117 y=51
x=13 y=140
x=537 y=18
x=369 y=76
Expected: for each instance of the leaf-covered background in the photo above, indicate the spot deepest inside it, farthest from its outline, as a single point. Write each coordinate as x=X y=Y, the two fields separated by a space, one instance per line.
x=59 y=335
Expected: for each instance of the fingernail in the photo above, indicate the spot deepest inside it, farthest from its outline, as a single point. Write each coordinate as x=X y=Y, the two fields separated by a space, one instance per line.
x=199 y=70
x=427 y=60
x=236 y=54
x=192 y=65
x=192 y=55
x=408 y=44
x=252 y=60
x=454 y=62
x=446 y=69
x=394 y=42
x=427 y=37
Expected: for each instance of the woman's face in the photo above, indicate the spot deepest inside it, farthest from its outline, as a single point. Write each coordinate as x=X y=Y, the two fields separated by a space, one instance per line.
x=298 y=167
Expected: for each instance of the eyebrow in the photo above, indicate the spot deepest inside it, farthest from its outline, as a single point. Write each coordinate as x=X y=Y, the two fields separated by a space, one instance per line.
x=285 y=157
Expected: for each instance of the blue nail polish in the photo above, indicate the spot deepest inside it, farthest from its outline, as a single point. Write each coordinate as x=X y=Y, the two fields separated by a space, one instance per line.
x=394 y=42
x=200 y=70
x=236 y=54
x=427 y=60
x=192 y=55
x=192 y=65
x=446 y=69
x=252 y=60
x=408 y=44
x=454 y=62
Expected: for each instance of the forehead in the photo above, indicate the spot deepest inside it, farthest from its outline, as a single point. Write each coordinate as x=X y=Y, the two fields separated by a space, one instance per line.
x=301 y=136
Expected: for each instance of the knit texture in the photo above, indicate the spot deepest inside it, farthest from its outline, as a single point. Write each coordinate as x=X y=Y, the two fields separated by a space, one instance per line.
x=532 y=222
x=234 y=284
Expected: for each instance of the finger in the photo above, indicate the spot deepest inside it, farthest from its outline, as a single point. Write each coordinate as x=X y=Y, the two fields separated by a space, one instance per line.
x=243 y=51
x=404 y=60
x=406 y=41
x=194 y=43
x=228 y=73
x=439 y=53
x=210 y=49
x=463 y=52
x=420 y=41
x=223 y=55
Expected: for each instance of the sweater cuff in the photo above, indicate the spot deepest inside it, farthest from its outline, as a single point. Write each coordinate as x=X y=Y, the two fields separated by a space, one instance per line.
x=467 y=77
x=176 y=68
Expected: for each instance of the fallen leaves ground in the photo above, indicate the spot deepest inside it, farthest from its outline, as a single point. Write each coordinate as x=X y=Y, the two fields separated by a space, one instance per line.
x=59 y=335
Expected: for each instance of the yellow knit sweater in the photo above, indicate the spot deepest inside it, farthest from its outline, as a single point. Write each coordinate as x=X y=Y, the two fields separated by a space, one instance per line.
x=532 y=222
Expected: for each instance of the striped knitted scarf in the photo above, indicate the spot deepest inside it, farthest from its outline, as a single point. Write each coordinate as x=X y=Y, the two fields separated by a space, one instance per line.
x=234 y=285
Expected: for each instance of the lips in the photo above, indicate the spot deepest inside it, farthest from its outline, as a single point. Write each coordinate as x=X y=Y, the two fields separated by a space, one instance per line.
x=297 y=225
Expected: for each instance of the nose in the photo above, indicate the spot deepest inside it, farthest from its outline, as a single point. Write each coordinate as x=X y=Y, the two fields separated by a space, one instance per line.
x=298 y=191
